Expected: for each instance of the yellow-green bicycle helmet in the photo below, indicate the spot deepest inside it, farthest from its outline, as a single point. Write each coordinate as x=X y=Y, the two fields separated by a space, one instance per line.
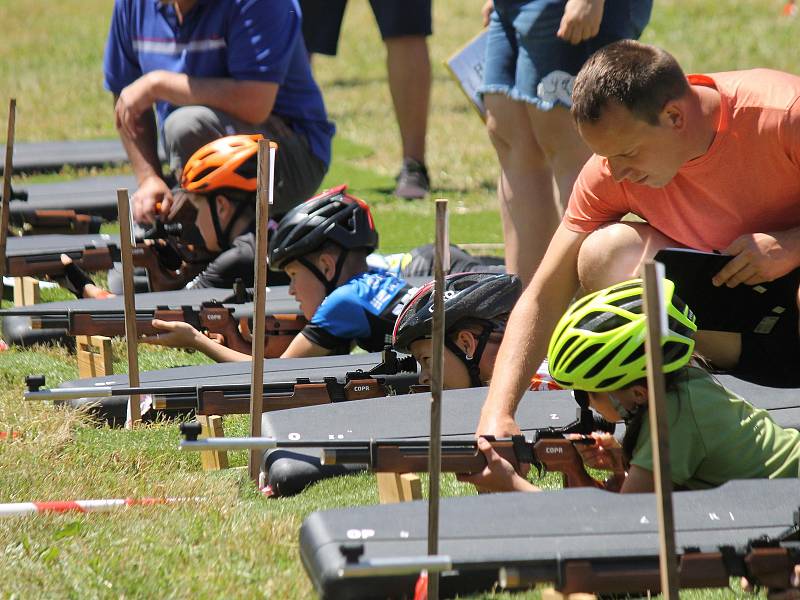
x=598 y=345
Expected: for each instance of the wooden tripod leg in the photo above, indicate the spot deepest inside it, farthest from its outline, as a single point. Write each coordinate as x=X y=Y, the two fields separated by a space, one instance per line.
x=398 y=487
x=212 y=460
x=95 y=358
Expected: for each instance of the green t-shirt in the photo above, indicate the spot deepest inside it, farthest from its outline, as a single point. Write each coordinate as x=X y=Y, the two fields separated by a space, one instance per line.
x=716 y=436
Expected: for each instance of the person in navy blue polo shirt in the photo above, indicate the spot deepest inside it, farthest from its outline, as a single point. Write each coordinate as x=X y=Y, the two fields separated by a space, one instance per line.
x=214 y=68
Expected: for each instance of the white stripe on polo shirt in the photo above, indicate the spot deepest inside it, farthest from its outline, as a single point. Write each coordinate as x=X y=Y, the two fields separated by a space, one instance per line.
x=173 y=48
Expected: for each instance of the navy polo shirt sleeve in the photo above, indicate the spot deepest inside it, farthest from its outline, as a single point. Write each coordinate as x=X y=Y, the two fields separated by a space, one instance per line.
x=120 y=63
x=261 y=39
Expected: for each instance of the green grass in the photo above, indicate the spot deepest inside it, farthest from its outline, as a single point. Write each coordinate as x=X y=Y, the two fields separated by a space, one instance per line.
x=236 y=543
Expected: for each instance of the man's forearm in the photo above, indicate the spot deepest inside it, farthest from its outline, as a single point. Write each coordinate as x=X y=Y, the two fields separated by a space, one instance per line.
x=520 y=353
x=249 y=101
x=143 y=150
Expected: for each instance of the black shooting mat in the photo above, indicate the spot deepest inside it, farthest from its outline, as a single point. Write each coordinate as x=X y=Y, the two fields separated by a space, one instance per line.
x=89 y=196
x=405 y=417
x=40 y=245
x=483 y=533
x=740 y=309
x=30 y=156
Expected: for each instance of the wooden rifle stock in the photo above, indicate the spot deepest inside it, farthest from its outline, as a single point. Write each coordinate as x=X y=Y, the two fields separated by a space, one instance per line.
x=114 y=324
x=89 y=259
x=557 y=454
x=767 y=566
x=49 y=221
x=303 y=393
x=160 y=276
x=280 y=329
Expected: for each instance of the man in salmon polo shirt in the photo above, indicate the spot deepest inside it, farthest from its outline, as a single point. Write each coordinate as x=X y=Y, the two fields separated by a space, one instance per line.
x=711 y=162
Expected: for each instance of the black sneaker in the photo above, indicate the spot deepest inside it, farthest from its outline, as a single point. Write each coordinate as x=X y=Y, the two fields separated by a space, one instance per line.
x=412 y=182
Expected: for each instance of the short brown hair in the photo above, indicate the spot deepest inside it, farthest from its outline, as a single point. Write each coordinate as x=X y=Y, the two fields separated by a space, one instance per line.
x=641 y=78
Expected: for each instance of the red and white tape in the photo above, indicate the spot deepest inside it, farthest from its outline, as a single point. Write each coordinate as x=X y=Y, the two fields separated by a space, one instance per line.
x=84 y=506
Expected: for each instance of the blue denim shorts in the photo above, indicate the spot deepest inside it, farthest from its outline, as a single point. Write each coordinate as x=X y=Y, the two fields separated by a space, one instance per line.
x=527 y=62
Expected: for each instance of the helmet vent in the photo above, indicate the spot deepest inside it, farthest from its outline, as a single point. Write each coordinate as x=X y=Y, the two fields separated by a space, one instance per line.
x=601 y=321
x=673 y=350
x=204 y=173
x=609 y=383
x=601 y=364
x=585 y=354
x=556 y=360
x=634 y=356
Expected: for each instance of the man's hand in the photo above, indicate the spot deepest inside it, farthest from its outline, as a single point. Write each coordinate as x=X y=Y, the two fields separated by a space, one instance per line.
x=176 y=335
x=498 y=475
x=499 y=426
x=486 y=11
x=758 y=257
x=152 y=191
x=133 y=101
x=581 y=20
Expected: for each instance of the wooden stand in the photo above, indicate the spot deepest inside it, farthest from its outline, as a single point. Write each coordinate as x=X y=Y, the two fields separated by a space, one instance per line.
x=398 y=487
x=212 y=460
x=94 y=356
x=26 y=291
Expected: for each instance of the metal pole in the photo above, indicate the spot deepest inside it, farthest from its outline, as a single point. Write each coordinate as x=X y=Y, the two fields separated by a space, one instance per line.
x=128 y=291
x=659 y=428
x=266 y=156
x=441 y=263
x=7 y=172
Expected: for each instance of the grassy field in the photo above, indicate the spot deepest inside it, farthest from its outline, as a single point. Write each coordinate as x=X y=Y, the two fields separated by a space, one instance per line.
x=236 y=543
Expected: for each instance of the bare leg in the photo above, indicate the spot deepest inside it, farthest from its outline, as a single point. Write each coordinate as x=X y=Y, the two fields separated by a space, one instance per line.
x=409 y=71
x=566 y=152
x=616 y=252
x=525 y=188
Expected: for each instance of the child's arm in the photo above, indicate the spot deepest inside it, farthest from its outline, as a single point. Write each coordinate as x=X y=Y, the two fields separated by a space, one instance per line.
x=638 y=481
x=182 y=335
x=302 y=347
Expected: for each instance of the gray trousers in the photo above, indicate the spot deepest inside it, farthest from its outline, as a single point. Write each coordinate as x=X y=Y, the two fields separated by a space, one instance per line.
x=298 y=172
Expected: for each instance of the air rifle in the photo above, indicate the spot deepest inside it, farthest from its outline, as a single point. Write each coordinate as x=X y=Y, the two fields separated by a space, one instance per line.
x=170 y=262
x=235 y=398
x=90 y=258
x=549 y=450
x=765 y=561
x=33 y=221
x=211 y=317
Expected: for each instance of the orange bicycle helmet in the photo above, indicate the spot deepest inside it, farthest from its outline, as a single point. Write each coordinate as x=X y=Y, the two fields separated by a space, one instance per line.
x=227 y=163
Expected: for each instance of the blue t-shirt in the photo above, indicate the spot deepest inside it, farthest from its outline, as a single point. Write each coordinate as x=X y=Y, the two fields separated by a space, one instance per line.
x=363 y=310
x=254 y=40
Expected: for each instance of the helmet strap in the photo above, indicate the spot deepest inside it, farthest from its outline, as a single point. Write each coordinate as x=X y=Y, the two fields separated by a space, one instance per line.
x=224 y=235
x=472 y=362
x=330 y=284
x=623 y=412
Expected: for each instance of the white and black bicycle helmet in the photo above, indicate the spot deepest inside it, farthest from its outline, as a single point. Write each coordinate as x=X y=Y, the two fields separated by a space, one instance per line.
x=481 y=297
x=333 y=216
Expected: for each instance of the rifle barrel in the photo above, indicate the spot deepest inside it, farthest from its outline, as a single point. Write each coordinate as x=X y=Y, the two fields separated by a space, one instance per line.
x=401 y=565
x=105 y=392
